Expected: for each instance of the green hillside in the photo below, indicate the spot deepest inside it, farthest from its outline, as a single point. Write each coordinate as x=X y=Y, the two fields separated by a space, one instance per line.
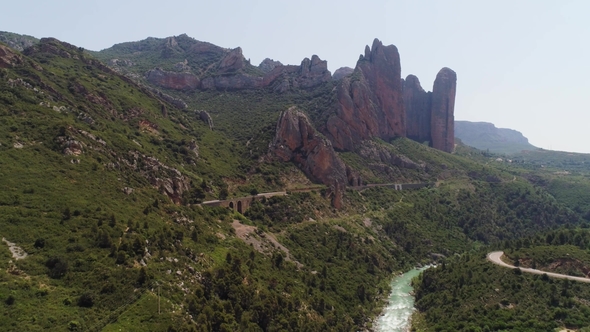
x=469 y=292
x=102 y=180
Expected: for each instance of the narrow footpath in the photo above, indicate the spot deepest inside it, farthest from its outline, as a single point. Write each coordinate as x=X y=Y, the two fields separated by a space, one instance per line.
x=495 y=257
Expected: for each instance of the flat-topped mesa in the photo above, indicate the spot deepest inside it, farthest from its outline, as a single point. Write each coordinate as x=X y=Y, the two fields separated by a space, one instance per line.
x=443 y=106
x=418 y=110
x=370 y=101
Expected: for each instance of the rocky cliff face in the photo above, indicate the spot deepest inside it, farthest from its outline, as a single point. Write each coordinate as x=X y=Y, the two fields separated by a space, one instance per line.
x=418 y=109
x=309 y=74
x=369 y=102
x=297 y=141
x=232 y=62
x=16 y=41
x=172 y=80
x=443 y=106
x=267 y=65
x=8 y=58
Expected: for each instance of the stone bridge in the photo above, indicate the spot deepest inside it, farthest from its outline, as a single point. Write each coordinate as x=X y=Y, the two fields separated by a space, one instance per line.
x=241 y=204
x=396 y=186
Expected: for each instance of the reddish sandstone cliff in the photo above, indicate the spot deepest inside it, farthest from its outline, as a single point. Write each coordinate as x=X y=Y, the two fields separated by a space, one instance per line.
x=370 y=101
x=172 y=80
x=297 y=141
x=418 y=109
x=8 y=58
x=443 y=106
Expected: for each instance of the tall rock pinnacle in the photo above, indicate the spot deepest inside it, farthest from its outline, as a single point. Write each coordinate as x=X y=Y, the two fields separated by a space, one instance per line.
x=443 y=106
x=369 y=102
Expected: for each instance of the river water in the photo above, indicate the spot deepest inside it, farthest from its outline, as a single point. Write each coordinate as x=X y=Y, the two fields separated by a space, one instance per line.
x=396 y=316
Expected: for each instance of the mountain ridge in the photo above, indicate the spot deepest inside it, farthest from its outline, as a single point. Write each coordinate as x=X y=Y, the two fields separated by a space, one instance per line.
x=486 y=136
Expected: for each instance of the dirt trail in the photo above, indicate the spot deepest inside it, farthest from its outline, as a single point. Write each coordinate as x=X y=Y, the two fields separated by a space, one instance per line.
x=261 y=241
x=17 y=252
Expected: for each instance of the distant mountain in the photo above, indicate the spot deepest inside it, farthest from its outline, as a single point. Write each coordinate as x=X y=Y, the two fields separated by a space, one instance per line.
x=485 y=136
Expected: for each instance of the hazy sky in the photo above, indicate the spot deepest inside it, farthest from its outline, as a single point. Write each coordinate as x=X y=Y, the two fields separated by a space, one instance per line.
x=520 y=64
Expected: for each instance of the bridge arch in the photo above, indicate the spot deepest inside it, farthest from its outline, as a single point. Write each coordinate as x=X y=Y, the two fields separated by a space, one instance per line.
x=231 y=205
x=240 y=207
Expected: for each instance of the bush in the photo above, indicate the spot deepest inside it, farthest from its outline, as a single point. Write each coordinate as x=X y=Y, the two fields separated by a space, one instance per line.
x=86 y=300
x=58 y=267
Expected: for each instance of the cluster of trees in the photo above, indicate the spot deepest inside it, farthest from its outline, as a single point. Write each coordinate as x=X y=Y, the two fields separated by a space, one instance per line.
x=470 y=294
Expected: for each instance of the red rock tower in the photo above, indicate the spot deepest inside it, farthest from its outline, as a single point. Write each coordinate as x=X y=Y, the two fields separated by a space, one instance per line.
x=443 y=107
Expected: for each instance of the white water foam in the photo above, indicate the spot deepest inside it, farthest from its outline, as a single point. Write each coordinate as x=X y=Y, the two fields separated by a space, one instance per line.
x=396 y=316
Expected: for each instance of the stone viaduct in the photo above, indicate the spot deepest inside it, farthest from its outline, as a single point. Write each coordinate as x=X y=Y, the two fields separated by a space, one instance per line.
x=241 y=204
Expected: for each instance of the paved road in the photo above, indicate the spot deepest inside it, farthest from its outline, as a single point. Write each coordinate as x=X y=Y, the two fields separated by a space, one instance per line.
x=495 y=256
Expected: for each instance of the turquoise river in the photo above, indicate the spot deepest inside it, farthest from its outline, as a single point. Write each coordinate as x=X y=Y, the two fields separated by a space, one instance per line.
x=396 y=316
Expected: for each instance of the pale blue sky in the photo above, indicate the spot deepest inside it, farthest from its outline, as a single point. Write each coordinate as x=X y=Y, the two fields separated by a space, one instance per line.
x=521 y=64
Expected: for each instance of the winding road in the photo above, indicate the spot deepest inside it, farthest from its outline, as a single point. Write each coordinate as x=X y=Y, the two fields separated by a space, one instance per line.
x=495 y=257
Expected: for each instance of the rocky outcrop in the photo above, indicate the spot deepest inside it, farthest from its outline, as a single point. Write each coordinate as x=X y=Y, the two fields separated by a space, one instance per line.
x=373 y=151
x=443 y=106
x=232 y=62
x=9 y=58
x=418 y=109
x=206 y=117
x=230 y=76
x=232 y=82
x=370 y=102
x=312 y=73
x=297 y=141
x=342 y=72
x=173 y=80
x=167 y=179
x=16 y=41
x=267 y=65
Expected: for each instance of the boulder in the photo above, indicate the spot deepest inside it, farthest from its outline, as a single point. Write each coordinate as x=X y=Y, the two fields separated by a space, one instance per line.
x=342 y=72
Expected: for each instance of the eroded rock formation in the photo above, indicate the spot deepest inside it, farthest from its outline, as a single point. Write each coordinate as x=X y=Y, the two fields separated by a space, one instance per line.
x=232 y=62
x=173 y=80
x=268 y=65
x=8 y=58
x=230 y=75
x=370 y=101
x=297 y=141
x=443 y=106
x=418 y=109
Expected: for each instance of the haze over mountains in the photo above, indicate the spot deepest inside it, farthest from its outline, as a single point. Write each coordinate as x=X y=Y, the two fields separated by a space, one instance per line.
x=485 y=136
x=132 y=178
